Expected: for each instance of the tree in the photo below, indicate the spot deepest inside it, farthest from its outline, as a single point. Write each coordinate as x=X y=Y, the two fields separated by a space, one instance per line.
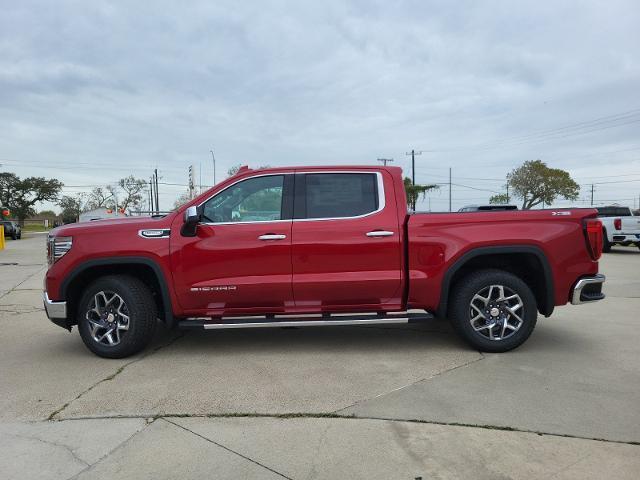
x=233 y=170
x=499 y=199
x=181 y=200
x=101 y=198
x=414 y=192
x=133 y=189
x=47 y=214
x=535 y=183
x=72 y=207
x=20 y=196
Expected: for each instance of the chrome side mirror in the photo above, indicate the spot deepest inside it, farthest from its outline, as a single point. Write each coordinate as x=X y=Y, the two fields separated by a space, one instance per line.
x=191 y=219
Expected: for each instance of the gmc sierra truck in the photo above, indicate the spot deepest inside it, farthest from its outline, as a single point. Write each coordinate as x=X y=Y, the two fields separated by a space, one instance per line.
x=619 y=227
x=317 y=246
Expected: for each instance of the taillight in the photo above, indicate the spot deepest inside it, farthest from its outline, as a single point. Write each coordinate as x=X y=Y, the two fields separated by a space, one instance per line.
x=594 y=238
x=617 y=224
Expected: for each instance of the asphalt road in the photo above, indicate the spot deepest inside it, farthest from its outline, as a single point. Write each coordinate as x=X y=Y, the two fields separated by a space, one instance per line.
x=341 y=402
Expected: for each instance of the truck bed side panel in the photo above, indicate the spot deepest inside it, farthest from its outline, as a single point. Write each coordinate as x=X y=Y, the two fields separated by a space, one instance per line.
x=437 y=241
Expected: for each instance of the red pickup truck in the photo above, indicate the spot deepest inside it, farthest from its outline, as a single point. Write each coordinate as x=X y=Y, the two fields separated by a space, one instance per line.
x=314 y=246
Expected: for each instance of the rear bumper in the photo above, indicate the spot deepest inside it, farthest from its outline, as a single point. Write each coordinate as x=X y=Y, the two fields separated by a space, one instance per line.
x=56 y=311
x=625 y=237
x=588 y=289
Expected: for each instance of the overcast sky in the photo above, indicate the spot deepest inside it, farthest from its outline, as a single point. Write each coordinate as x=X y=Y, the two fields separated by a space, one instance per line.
x=93 y=91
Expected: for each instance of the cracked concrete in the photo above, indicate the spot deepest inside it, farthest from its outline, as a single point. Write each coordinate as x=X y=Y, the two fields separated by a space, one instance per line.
x=372 y=402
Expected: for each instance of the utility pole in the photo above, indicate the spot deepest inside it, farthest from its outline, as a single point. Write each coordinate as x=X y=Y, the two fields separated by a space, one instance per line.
x=214 y=166
x=449 y=188
x=155 y=173
x=507 y=192
x=385 y=160
x=413 y=154
x=592 y=194
x=151 y=195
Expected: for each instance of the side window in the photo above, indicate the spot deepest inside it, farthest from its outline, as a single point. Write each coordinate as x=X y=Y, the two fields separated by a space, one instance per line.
x=256 y=199
x=337 y=195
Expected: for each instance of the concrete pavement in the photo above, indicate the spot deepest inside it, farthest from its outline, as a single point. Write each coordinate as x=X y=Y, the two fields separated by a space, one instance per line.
x=373 y=402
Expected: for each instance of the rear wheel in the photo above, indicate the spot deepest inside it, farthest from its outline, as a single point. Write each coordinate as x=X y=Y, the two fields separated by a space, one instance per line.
x=606 y=246
x=116 y=316
x=493 y=310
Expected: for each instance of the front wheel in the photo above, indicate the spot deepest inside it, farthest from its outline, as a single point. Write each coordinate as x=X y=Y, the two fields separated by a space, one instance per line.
x=116 y=316
x=493 y=310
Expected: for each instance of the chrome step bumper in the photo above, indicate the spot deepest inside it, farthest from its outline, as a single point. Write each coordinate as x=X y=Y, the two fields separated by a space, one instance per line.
x=588 y=289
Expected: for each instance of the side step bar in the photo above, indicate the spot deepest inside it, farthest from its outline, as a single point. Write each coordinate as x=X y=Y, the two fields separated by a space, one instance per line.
x=303 y=321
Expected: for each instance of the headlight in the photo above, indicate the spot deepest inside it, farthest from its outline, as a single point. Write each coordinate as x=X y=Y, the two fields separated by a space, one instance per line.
x=57 y=247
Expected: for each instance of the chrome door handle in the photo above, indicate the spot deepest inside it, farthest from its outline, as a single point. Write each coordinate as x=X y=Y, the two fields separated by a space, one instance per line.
x=272 y=236
x=379 y=233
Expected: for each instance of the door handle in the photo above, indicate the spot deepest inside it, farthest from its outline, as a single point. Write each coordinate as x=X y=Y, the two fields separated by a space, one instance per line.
x=379 y=233
x=271 y=236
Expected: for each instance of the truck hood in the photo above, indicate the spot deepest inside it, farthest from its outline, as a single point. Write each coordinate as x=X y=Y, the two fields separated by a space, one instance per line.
x=113 y=225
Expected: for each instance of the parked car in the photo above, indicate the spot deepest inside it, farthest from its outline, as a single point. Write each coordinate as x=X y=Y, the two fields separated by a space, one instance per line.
x=487 y=208
x=619 y=227
x=11 y=229
x=318 y=246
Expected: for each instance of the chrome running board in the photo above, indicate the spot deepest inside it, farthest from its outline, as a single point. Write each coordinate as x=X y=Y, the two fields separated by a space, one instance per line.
x=303 y=321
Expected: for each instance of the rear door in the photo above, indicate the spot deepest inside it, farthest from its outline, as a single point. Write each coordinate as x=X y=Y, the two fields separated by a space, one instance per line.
x=346 y=241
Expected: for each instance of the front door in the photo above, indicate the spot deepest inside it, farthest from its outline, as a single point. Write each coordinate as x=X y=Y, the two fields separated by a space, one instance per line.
x=240 y=259
x=346 y=250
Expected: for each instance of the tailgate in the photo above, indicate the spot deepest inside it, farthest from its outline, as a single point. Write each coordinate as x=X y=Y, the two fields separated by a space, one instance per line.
x=631 y=225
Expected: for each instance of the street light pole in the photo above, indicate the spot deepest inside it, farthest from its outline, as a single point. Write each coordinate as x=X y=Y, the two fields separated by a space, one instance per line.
x=214 y=166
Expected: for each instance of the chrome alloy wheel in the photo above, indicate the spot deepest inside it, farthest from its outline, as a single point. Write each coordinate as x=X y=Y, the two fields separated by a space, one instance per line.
x=108 y=316
x=496 y=312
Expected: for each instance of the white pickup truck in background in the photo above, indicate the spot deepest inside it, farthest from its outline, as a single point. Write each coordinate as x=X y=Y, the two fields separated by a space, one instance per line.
x=619 y=227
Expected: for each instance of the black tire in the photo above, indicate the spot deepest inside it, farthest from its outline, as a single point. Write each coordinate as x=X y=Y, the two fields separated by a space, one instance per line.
x=606 y=246
x=14 y=236
x=139 y=306
x=461 y=311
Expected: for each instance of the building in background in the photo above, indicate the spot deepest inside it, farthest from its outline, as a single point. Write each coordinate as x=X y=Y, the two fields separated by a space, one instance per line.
x=99 y=214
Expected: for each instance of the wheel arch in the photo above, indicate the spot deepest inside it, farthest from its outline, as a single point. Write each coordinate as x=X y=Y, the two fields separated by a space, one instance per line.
x=142 y=268
x=526 y=261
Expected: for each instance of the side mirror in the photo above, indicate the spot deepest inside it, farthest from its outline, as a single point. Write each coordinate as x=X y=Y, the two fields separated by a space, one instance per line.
x=191 y=219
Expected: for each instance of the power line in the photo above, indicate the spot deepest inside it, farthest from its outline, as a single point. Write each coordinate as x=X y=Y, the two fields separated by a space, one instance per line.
x=579 y=128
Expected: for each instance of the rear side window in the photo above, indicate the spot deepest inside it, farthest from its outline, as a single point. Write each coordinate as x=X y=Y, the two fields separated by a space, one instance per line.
x=339 y=195
x=614 y=212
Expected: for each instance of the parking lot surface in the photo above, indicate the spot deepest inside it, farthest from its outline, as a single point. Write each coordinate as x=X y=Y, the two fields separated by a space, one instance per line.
x=340 y=402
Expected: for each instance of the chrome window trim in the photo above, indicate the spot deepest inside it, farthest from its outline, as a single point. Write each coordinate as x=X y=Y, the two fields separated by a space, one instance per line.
x=381 y=197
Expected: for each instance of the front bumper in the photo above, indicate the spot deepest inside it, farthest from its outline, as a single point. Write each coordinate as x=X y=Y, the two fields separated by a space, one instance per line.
x=56 y=311
x=588 y=289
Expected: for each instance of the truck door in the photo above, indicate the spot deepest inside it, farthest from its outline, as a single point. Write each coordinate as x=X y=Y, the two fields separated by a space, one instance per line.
x=346 y=241
x=240 y=259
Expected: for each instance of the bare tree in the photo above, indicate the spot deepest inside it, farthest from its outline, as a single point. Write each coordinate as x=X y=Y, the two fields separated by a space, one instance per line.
x=132 y=189
x=101 y=197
